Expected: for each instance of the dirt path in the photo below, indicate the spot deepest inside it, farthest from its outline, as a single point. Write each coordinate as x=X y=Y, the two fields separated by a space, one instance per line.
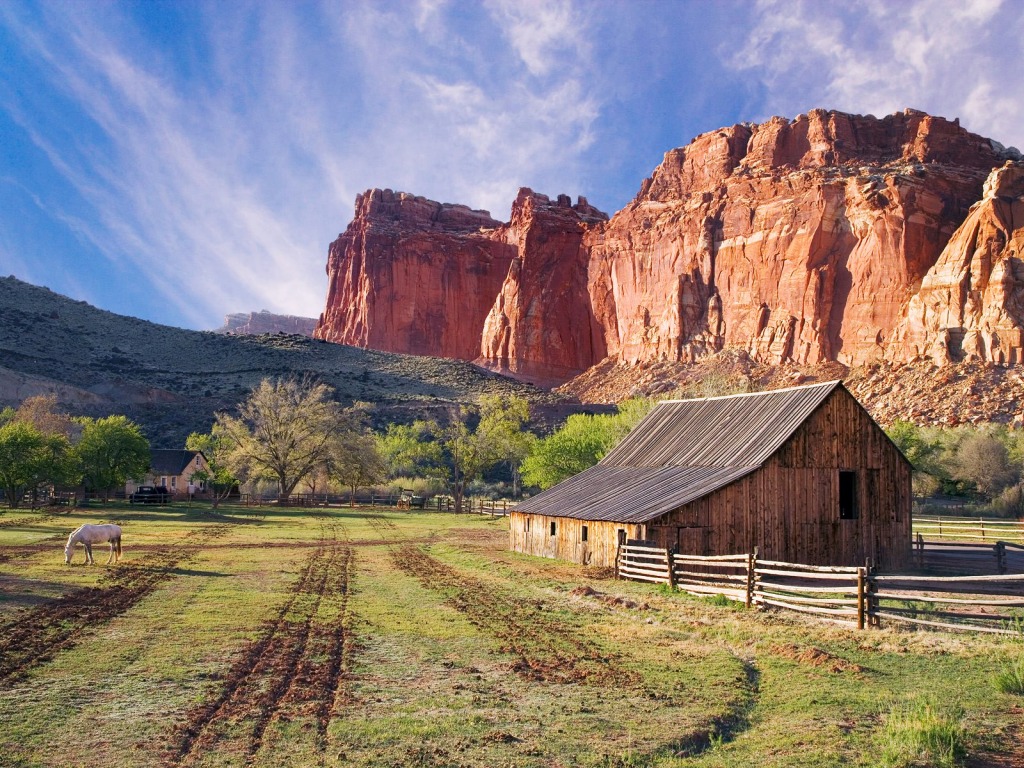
x=298 y=666
x=36 y=636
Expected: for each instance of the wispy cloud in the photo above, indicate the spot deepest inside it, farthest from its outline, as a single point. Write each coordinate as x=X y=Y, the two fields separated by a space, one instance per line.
x=223 y=186
x=950 y=57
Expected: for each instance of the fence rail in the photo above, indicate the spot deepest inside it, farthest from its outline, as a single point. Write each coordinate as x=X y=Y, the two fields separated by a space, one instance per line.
x=852 y=596
x=969 y=529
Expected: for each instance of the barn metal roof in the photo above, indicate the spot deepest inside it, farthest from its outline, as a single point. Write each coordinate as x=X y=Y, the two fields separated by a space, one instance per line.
x=736 y=430
x=629 y=494
x=683 y=450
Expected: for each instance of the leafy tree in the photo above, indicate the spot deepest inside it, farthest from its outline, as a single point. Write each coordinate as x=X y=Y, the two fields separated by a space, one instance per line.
x=581 y=442
x=29 y=459
x=502 y=433
x=110 y=451
x=41 y=412
x=983 y=459
x=359 y=462
x=411 y=450
x=283 y=432
x=217 y=450
x=578 y=444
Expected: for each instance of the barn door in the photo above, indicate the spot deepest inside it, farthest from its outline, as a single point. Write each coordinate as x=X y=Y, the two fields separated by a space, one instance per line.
x=694 y=541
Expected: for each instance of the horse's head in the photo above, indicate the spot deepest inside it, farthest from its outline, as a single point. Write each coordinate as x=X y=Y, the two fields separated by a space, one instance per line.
x=69 y=549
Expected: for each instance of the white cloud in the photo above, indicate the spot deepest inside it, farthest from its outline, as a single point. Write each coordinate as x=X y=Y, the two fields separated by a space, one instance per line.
x=947 y=57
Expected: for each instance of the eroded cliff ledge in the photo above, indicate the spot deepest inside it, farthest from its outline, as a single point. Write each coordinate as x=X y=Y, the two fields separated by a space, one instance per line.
x=830 y=237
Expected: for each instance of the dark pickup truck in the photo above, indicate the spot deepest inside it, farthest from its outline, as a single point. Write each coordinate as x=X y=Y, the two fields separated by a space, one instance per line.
x=150 y=494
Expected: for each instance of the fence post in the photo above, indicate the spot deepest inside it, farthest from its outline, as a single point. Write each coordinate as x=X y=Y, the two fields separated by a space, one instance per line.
x=1000 y=557
x=920 y=551
x=750 y=577
x=861 y=608
x=982 y=521
x=671 y=568
x=618 y=555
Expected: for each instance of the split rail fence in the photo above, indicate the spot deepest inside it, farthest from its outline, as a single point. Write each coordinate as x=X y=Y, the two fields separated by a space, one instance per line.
x=852 y=596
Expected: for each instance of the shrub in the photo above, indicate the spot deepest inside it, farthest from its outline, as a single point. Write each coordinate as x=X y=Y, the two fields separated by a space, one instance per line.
x=1011 y=678
x=919 y=733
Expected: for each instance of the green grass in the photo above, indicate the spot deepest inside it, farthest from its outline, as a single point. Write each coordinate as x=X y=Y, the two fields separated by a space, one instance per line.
x=438 y=667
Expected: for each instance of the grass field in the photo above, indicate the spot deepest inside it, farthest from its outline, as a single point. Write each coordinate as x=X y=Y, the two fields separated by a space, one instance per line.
x=382 y=638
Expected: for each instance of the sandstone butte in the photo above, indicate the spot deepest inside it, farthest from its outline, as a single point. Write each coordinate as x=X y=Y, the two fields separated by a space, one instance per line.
x=828 y=238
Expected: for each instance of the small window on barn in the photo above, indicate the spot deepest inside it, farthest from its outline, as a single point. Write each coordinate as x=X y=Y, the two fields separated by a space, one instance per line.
x=527 y=525
x=622 y=537
x=552 y=529
x=847 y=495
x=583 y=537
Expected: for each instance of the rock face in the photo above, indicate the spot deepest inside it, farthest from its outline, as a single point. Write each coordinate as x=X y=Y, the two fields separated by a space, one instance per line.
x=971 y=302
x=414 y=276
x=256 y=323
x=812 y=240
x=541 y=327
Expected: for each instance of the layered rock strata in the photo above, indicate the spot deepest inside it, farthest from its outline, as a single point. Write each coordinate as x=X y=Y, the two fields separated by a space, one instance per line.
x=257 y=323
x=807 y=241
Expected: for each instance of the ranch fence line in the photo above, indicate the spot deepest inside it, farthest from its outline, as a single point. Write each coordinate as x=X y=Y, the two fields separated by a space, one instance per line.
x=852 y=596
x=969 y=529
x=478 y=505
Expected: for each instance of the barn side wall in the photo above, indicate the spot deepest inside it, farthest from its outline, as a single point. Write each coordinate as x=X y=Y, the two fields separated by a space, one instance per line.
x=531 y=535
x=789 y=508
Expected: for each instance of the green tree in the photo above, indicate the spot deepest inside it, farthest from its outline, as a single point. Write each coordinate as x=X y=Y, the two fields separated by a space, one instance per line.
x=29 y=459
x=110 y=451
x=216 y=448
x=578 y=444
x=283 y=432
x=502 y=434
x=581 y=442
x=983 y=459
x=410 y=450
x=359 y=462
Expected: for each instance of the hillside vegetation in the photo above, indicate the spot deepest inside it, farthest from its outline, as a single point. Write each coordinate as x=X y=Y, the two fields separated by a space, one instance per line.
x=172 y=380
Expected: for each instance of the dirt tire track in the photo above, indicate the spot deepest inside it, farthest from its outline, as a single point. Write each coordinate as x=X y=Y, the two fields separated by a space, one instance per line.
x=281 y=669
x=35 y=637
x=545 y=650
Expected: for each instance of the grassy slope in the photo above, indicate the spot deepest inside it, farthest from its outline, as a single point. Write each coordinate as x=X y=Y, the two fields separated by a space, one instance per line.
x=172 y=380
x=460 y=653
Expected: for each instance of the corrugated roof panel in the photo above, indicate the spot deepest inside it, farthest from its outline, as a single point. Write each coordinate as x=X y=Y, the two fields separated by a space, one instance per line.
x=733 y=431
x=629 y=494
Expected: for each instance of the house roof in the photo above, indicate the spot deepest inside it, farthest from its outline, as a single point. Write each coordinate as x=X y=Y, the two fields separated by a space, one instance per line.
x=164 y=461
x=683 y=450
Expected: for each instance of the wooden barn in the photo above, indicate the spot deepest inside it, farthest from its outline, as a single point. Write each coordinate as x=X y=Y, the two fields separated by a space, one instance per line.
x=803 y=474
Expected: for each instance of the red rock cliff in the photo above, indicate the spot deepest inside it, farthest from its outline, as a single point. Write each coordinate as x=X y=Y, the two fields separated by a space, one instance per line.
x=414 y=276
x=799 y=240
x=541 y=327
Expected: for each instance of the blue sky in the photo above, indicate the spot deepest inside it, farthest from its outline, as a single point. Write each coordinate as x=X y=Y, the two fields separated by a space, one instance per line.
x=181 y=160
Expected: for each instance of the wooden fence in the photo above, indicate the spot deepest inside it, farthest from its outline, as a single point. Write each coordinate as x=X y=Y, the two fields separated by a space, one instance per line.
x=853 y=596
x=969 y=529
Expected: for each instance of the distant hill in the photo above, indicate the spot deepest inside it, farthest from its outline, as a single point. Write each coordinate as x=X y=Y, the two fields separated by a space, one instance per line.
x=172 y=380
x=256 y=323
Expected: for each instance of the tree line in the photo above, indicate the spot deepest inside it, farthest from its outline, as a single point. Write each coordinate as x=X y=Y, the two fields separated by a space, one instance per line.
x=984 y=461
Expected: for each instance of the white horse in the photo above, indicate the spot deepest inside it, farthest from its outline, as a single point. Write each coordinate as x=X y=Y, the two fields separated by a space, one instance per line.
x=88 y=535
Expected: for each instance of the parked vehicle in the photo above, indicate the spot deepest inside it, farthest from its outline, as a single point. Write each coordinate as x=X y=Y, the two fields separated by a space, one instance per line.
x=150 y=494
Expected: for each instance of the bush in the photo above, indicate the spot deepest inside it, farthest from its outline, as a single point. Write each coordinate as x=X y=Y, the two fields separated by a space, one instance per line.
x=1011 y=678
x=1009 y=503
x=921 y=734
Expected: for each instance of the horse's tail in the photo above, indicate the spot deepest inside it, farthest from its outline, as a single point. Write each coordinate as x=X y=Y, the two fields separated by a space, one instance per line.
x=117 y=542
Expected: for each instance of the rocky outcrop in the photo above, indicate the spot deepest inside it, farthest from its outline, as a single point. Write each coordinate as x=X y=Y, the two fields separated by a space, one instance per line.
x=415 y=276
x=541 y=327
x=801 y=241
x=794 y=240
x=256 y=323
x=971 y=302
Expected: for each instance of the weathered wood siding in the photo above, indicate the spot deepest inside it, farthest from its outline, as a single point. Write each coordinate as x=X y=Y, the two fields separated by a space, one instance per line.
x=789 y=508
x=531 y=534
